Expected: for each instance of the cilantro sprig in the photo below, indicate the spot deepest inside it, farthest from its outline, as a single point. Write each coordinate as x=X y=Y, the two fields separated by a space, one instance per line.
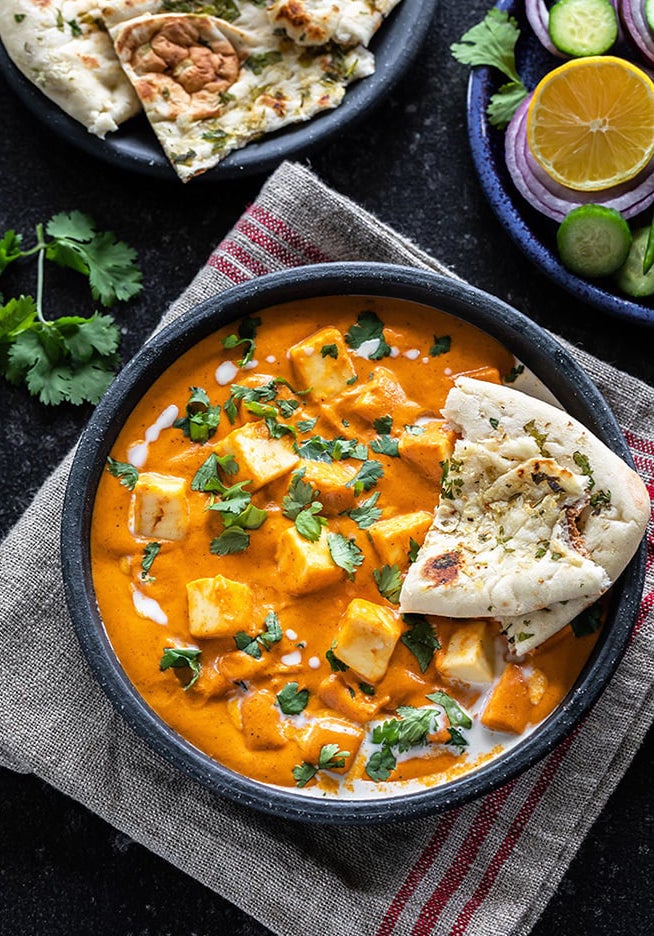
x=369 y=327
x=70 y=358
x=330 y=758
x=492 y=43
x=247 y=333
x=182 y=658
x=252 y=645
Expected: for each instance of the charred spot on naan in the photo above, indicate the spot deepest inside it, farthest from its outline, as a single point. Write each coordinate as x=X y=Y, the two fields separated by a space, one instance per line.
x=443 y=569
x=184 y=60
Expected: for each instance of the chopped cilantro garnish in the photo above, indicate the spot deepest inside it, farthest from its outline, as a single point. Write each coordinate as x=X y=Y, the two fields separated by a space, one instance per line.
x=247 y=332
x=127 y=474
x=337 y=666
x=201 y=420
x=365 y=514
x=457 y=717
x=252 y=645
x=329 y=350
x=540 y=438
x=381 y=764
x=383 y=425
x=385 y=445
x=300 y=495
x=150 y=553
x=366 y=477
x=330 y=758
x=494 y=422
x=588 y=622
x=292 y=700
x=414 y=548
x=232 y=540
x=258 y=61
x=369 y=326
x=389 y=582
x=344 y=552
x=420 y=639
x=309 y=523
x=181 y=658
x=441 y=345
x=514 y=373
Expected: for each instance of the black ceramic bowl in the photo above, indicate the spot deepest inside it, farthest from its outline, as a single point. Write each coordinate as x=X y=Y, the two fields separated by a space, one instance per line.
x=531 y=344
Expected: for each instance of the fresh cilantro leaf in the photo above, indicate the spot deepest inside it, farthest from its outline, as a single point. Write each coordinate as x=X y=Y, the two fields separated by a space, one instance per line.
x=369 y=327
x=381 y=764
x=231 y=540
x=250 y=518
x=16 y=316
x=127 y=474
x=420 y=639
x=331 y=758
x=150 y=553
x=494 y=423
x=207 y=479
x=582 y=462
x=599 y=500
x=303 y=773
x=247 y=333
x=367 y=689
x=337 y=666
x=456 y=716
x=234 y=499
x=385 y=445
x=411 y=730
x=300 y=495
x=492 y=43
x=292 y=700
x=309 y=524
x=344 y=552
x=441 y=345
x=247 y=644
x=287 y=407
x=306 y=425
x=414 y=548
x=252 y=645
x=383 y=425
x=456 y=738
x=588 y=622
x=365 y=514
x=181 y=658
x=329 y=350
x=201 y=420
x=348 y=448
x=540 y=438
x=389 y=582
x=367 y=476
x=110 y=264
x=10 y=248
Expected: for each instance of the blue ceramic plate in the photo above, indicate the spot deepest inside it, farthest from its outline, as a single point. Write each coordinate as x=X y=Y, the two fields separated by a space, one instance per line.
x=534 y=234
x=134 y=146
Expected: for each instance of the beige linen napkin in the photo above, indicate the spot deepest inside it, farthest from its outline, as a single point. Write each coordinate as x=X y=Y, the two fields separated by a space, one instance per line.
x=486 y=868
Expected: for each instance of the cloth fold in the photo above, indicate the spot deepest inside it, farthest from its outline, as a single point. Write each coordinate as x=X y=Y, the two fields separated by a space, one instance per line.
x=486 y=868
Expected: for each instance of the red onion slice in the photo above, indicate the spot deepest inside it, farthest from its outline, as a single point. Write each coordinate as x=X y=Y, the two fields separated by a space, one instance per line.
x=555 y=200
x=632 y=13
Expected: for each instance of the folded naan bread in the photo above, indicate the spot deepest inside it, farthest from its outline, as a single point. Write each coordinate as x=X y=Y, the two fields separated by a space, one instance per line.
x=537 y=517
x=209 y=87
x=316 y=22
x=64 y=49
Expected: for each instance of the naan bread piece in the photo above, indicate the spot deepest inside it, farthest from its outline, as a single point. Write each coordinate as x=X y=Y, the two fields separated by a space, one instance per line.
x=200 y=108
x=64 y=49
x=317 y=22
x=536 y=518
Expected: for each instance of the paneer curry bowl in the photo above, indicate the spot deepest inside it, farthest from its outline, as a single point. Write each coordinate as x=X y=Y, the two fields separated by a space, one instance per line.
x=333 y=547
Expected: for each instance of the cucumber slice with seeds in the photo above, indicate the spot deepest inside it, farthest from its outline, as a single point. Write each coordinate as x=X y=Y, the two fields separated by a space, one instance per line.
x=593 y=240
x=630 y=278
x=583 y=27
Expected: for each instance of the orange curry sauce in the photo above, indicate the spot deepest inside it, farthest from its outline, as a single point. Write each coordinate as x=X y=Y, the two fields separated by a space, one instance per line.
x=231 y=711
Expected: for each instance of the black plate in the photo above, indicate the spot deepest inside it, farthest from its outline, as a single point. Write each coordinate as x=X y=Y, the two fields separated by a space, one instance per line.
x=530 y=343
x=134 y=146
x=534 y=234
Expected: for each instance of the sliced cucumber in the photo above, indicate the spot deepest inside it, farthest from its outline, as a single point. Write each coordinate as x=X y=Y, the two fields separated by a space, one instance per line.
x=630 y=278
x=583 y=27
x=649 y=14
x=593 y=240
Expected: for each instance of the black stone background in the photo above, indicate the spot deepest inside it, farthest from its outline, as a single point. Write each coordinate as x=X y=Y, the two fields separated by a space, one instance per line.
x=64 y=871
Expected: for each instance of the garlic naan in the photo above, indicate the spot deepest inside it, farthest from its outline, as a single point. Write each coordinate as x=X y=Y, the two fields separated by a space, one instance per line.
x=316 y=22
x=537 y=517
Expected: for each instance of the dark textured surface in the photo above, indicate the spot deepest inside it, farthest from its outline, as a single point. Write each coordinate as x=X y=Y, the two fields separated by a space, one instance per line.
x=64 y=871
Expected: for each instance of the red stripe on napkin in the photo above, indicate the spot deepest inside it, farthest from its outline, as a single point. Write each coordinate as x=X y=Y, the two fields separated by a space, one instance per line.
x=516 y=829
x=244 y=257
x=462 y=862
x=282 y=229
x=418 y=871
x=220 y=262
x=278 y=249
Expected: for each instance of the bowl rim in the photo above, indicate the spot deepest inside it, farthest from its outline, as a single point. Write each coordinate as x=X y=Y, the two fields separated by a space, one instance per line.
x=531 y=344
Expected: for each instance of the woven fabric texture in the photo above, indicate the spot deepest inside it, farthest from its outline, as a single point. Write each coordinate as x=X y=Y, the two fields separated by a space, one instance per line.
x=485 y=869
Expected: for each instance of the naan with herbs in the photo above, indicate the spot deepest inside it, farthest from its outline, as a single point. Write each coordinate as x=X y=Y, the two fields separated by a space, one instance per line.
x=537 y=517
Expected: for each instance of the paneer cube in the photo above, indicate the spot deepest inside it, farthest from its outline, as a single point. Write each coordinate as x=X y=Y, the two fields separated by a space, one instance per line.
x=324 y=731
x=470 y=654
x=382 y=395
x=366 y=638
x=509 y=707
x=356 y=706
x=427 y=450
x=219 y=607
x=304 y=566
x=261 y=722
x=326 y=375
x=260 y=459
x=392 y=538
x=330 y=479
x=160 y=506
